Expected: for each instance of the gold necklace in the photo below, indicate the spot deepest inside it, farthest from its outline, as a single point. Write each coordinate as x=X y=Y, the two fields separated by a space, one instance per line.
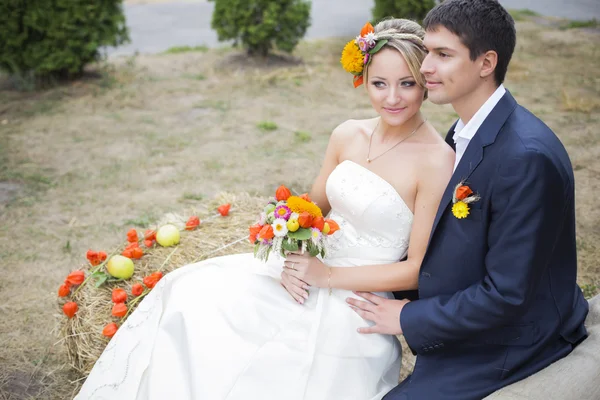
x=369 y=159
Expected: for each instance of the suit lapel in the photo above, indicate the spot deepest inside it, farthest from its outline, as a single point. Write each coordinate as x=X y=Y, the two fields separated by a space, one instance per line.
x=450 y=136
x=486 y=135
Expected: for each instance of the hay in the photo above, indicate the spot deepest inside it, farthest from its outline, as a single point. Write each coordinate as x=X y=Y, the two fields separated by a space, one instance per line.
x=82 y=335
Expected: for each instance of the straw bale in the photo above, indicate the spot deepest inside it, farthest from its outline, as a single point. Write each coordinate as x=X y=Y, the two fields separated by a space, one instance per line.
x=82 y=335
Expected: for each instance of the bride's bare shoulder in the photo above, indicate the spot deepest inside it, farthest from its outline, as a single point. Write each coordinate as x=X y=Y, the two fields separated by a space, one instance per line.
x=437 y=154
x=354 y=128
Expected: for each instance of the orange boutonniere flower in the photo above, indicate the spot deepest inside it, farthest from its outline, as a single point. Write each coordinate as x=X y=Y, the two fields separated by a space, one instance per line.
x=462 y=197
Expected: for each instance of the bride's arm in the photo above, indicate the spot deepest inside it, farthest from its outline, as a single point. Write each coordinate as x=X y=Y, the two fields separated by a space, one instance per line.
x=404 y=275
x=434 y=177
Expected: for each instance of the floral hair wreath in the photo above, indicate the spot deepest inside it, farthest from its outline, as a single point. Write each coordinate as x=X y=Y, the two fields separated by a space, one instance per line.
x=357 y=53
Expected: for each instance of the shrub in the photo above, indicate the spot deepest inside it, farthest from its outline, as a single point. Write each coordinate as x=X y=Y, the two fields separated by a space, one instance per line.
x=259 y=25
x=410 y=9
x=57 y=38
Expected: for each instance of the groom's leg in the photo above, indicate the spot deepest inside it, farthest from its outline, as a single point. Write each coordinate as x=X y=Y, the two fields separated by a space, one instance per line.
x=395 y=394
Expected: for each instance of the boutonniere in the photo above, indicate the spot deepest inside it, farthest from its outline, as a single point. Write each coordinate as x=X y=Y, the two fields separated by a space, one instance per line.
x=462 y=197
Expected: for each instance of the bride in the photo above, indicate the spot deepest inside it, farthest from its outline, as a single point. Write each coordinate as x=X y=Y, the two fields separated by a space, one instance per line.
x=236 y=328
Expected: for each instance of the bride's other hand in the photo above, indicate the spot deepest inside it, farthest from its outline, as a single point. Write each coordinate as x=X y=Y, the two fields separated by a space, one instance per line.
x=294 y=286
x=308 y=269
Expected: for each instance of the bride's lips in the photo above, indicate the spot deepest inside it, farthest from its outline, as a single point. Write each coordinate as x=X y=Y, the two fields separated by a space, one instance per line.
x=394 y=110
x=433 y=85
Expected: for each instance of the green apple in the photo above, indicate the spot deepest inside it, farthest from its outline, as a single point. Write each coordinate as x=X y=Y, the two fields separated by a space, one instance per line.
x=120 y=267
x=167 y=235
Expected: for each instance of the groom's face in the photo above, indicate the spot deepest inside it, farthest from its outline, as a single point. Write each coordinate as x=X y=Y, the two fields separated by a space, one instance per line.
x=450 y=73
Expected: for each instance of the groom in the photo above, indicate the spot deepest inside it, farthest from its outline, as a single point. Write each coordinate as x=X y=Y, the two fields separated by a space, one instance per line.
x=498 y=299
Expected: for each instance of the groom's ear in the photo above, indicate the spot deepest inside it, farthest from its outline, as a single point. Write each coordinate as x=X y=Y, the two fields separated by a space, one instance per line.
x=488 y=65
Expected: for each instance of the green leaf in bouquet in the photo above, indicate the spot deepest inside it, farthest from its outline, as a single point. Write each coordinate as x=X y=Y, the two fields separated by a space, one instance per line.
x=313 y=250
x=300 y=234
x=289 y=245
x=256 y=246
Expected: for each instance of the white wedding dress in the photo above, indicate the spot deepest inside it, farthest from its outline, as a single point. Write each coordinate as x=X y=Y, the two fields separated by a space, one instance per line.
x=224 y=328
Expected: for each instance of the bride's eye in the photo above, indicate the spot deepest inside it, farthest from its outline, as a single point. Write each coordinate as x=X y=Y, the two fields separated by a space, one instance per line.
x=408 y=83
x=378 y=84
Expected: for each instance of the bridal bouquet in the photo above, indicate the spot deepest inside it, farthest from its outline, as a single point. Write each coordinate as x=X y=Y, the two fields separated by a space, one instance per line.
x=290 y=223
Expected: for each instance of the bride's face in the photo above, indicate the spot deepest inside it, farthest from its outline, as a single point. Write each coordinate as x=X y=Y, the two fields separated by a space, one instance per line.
x=392 y=89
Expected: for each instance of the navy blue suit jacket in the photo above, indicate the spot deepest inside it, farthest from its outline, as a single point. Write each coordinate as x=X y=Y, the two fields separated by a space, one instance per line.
x=498 y=298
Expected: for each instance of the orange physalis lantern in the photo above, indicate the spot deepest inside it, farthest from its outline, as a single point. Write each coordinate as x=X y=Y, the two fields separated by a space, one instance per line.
x=224 y=209
x=64 y=290
x=282 y=193
x=70 y=309
x=132 y=235
x=76 y=277
x=333 y=226
x=192 y=223
x=110 y=330
x=119 y=310
x=305 y=220
x=137 y=289
x=119 y=295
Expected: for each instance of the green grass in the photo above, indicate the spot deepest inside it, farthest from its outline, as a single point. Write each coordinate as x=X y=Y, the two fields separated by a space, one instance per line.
x=143 y=221
x=267 y=126
x=198 y=77
x=187 y=196
x=592 y=23
x=186 y=49
x=302 y=137
x=521 y=15
x=589 y=290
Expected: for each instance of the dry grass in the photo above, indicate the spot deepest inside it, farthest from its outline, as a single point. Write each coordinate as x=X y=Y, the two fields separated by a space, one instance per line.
x=154 y=134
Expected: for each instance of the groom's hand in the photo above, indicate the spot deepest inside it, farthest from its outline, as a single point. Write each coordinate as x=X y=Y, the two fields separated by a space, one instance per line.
x=385 y=313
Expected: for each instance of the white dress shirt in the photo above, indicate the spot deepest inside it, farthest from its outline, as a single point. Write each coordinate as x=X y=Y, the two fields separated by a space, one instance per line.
x=464 y=133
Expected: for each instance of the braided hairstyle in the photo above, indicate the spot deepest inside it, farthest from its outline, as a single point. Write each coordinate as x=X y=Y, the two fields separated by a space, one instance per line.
x=405 y=36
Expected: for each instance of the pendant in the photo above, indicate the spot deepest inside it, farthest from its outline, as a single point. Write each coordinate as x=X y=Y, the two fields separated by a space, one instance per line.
x=368 y=160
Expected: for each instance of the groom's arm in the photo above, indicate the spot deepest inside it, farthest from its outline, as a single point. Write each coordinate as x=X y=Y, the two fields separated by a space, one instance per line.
x=529 y=203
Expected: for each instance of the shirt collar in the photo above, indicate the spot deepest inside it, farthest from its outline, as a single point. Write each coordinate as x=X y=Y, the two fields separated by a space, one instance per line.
x=470 y=129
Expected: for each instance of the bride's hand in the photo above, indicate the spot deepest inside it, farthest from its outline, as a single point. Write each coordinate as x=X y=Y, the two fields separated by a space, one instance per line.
x=294 y=286
x=307 y=269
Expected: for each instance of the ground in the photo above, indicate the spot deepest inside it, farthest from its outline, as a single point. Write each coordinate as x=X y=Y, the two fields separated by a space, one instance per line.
x=139 y=137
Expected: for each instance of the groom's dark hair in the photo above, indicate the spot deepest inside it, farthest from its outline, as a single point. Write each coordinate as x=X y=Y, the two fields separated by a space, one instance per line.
x=481 y=25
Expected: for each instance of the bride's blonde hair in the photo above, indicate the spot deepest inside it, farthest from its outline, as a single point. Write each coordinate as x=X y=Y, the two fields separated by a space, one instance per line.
x=405 y=36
